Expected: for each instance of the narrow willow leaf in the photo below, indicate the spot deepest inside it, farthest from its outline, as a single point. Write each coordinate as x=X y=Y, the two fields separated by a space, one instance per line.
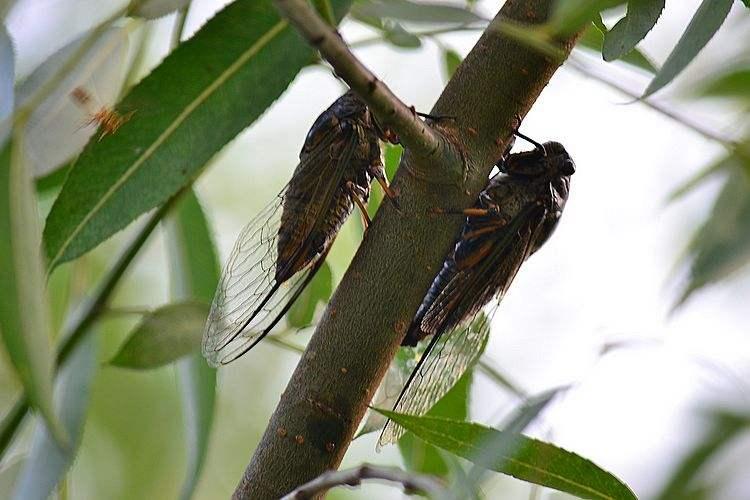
x=60 y=126
x=415 y=12
x=524 y=458
x=24 y=311
x=165 y=335
x=733 y=84
x=705 y=23
x=396 y=35
x=593 y=39
x=569 y=16
x=451 y=60
x=631 y=29
x=724 y=164
x=419 y=456
x=227 y=74
x=7 y=71
x=319 y=290
x=47 y=461
x=9 y=472
x=152 y=9
x=522 y=416
x=194 y=274
x=722 y=245
x=724 y=429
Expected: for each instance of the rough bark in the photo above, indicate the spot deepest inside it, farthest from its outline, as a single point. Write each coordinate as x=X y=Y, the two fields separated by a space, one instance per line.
x=372 y=307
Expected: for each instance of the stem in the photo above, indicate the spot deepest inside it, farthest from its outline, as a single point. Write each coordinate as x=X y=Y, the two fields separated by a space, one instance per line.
x=388 y=108
x=412 y=483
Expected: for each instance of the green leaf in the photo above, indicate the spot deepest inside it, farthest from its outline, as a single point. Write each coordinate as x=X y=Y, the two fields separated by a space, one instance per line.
x=194 y=275
x=451 y=60
x=9 y=472
x=211 y=87
x=705 y=22
x=631 y=29
x=593 y=39
x=722 y=245
x=7 y=72
x=319 y=290
x=522 y=416
x=398 y=36
x=524 y=458
x=163 y=336
x=406 y=10
x=420 y=456
x=25 y=325
x=569 y=16
x=724 y=429
x=733 y=84
x=747 y=3
x=48 y=462
x=724 y=164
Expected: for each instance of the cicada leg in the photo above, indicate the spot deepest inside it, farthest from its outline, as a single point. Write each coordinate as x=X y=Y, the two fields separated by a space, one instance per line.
x=354 y=193
x=378 y=172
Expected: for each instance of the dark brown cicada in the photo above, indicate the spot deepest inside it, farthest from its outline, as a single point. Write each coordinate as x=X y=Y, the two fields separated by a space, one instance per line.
x=278 y=253
x=513 y=217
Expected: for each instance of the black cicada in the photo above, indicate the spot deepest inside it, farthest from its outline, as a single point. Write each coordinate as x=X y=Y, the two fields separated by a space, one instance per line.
x=514 y=216
x=278 y=253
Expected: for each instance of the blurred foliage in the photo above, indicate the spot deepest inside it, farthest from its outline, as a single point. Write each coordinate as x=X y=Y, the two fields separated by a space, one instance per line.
x=163 y=336
x=191 y=105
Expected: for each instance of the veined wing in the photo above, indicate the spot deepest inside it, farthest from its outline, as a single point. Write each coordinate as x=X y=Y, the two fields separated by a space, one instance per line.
x=249 y=301
x=444 y=361
x=460 y=327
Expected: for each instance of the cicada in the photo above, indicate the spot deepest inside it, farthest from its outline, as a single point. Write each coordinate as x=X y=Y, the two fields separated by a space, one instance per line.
x=278 y=253
x=512 y=218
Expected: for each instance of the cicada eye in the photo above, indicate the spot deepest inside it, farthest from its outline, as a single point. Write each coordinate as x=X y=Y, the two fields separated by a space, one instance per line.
x=568 y=167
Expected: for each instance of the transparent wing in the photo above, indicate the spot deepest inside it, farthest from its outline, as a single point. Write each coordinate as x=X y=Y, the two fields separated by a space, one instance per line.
x=461 y=329
x=249 y=301
x=446 y=358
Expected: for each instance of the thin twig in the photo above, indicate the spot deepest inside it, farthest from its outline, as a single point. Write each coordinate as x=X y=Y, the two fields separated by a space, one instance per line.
x=412 y=483
x=576 y=64
x=388 y=108
x=365 y=42
x=501 y=379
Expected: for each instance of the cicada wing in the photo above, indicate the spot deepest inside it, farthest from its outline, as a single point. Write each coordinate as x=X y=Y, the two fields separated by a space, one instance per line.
x=455 y=316
x=491 y=275
x=445 y=360
x=249 y=301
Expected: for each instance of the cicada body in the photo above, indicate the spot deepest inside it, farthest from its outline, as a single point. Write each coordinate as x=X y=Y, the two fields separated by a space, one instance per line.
x=513 y=217
x=278 y=253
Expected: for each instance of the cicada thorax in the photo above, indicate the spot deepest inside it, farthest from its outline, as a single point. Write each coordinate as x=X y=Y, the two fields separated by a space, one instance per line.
x=343 y=143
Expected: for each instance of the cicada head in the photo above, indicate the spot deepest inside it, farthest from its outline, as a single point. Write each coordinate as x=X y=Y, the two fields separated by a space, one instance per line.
x=559 y=162
x=550 y=160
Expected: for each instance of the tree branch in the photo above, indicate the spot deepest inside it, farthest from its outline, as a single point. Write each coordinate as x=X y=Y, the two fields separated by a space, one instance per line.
x=390 y=111
x=412 y=483
x=368 y=314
